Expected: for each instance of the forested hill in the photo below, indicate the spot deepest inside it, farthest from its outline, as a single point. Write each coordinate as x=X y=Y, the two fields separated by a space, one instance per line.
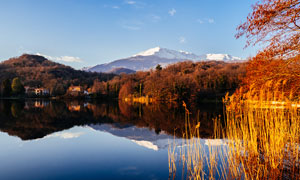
x=188 y=81
x=37 y=71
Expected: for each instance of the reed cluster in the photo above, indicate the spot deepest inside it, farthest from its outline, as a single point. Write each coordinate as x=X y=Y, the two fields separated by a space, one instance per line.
x=261 y=137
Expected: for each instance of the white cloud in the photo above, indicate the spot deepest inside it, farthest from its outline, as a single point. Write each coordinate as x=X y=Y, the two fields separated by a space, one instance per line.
x=136 y=4
x=66 y=135
x=113 y=7
x=130 y=2
x=182 y=40
x=206 y=20
x=211 y=21
x=62 y=58
x=172 y=12
x=155 y=18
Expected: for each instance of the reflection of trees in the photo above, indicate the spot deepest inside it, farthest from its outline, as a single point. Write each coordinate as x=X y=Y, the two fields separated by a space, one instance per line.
x=31 y=122
x=16 y=109
x=169 y=118
x=38 y=122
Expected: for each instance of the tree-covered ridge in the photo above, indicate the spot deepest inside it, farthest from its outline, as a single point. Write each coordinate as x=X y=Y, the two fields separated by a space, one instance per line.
x=180 y=81
x=37 y=71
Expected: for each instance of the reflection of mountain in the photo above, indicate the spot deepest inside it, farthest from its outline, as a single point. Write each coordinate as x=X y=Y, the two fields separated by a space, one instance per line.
x=142 y=136
x=149 y=138
x=137 y=122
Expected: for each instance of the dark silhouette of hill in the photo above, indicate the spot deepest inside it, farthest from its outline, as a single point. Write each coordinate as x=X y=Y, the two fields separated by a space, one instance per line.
x=37 y=71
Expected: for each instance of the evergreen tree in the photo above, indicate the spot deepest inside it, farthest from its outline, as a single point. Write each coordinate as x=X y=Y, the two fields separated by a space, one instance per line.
x=6 y=85
x=158 y=67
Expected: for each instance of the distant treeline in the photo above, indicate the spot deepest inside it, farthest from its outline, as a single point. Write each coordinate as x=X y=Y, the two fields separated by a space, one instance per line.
x=181 y=81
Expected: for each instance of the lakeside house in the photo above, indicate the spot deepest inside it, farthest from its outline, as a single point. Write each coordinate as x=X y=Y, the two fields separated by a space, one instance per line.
x=29 y=90
x=42 y=91
x=36 y=91
x=77 y=91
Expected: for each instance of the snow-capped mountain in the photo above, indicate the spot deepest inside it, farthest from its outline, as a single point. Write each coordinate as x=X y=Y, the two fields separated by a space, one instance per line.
x=169 y=54
x=150 y=58
x=222 y=57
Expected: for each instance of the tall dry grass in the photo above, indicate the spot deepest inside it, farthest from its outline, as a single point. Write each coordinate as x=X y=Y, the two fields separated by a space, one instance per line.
x=261 y=136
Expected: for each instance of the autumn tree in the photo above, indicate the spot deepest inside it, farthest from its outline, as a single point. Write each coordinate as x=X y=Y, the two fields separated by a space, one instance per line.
x=126 y=90
x=273 y=24
x=17 y=87
x=183 y=81
x=97 y=87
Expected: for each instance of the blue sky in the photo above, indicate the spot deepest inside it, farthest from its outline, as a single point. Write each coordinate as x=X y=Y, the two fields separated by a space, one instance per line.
x=88 y=32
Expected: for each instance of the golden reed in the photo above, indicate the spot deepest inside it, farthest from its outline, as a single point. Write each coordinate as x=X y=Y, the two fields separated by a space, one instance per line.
x=261 y=137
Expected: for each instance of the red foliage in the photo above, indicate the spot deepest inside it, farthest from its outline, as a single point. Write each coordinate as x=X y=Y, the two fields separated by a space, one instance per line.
x=275 y=24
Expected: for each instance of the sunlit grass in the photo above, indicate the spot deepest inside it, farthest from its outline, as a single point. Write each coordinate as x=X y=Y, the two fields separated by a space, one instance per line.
x=261 y=136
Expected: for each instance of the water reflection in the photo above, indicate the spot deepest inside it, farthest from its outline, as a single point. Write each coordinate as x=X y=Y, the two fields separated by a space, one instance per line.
x=92 y=140
x=35 y=119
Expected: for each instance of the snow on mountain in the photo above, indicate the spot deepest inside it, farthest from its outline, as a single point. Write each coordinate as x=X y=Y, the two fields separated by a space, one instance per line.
x=148 y=52
x=150 y=58
x=222 y=57
x=169 y=54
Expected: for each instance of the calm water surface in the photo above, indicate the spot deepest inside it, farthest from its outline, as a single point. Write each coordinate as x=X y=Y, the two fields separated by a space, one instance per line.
x=42 y=139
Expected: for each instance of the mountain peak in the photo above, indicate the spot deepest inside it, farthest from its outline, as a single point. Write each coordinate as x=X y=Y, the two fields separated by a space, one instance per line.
x=29 y=60
x=150 y=58
x=149 y=52
x=169 y=54
x=221 y=57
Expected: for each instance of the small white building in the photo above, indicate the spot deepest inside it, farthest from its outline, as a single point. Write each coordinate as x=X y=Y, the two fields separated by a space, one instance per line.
x=41 y=91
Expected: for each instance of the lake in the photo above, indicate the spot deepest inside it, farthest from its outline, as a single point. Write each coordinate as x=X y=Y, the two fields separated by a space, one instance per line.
x=42 y=139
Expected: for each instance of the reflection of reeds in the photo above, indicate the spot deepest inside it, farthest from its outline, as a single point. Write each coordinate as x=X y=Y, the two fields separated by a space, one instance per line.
x=262 y=142
x=172 y=161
